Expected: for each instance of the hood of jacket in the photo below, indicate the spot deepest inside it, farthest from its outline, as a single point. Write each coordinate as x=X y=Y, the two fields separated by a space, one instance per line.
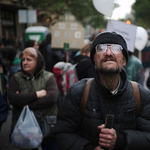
x=39 y=66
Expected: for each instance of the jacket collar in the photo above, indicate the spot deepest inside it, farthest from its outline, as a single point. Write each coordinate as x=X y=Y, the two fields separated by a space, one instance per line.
x=104 y=91
x=28 y=76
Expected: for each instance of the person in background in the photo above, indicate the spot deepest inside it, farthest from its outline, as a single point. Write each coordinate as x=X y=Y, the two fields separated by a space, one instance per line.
x=51 y=57
x=15 y=67
x=86 y=41
x=9 y=54
x=110 y=93
x=148 y=82
x=148 y=48
x=148 y=42
x=134 y=69
x=32 y=43
x=7 y=58
x=2 y=61
x=3 y=110
x=85 y=68
x=3 y=65
x=35 y=87
x=1 y=44
x=4 y=39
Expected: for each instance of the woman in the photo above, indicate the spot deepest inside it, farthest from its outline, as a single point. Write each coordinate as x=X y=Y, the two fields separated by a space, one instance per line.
x=35 y=87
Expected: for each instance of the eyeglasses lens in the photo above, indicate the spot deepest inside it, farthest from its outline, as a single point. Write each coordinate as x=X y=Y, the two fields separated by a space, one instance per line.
x=102 y=48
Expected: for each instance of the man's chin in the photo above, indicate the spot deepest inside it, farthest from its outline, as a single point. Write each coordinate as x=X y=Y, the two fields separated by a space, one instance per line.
x=108 y=72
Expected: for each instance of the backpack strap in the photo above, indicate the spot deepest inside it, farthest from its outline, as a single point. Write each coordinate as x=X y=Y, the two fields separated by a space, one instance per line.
x=85 y=95
x=136 y=93
x=86 y=91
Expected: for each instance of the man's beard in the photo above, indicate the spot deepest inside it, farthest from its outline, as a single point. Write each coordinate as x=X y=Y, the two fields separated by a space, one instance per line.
x=110 y=71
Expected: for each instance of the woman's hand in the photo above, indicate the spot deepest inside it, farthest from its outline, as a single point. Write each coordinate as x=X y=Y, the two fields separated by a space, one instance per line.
x=41 y=93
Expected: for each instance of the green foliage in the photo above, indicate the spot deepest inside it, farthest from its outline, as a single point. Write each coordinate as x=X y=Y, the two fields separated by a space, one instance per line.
x=142 y=12
x=83 y=10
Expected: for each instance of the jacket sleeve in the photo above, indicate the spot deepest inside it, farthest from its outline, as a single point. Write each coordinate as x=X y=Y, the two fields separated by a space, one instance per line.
x=139 y=139
x=49 y=99
x=68 y=124
x=22 y=99
x=3 y=110
x=19 y=99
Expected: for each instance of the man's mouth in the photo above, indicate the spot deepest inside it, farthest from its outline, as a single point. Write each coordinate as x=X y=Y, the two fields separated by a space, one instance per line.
x=107 y=60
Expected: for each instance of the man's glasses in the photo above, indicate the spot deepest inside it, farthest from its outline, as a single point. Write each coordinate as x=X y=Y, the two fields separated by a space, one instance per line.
x=102 y=48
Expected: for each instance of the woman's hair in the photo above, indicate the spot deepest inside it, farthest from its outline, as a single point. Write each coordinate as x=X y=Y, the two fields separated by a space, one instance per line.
x=9 y=53
x=31 y=52
x=86 y=49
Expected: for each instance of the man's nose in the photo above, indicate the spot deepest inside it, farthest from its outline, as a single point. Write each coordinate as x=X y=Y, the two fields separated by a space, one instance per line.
x=108 y=51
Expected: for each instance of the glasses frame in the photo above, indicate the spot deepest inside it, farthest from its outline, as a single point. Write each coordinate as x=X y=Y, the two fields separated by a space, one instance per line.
x=109 y=45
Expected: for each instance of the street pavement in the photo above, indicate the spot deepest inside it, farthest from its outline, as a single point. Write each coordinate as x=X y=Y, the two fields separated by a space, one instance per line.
x=4 y=135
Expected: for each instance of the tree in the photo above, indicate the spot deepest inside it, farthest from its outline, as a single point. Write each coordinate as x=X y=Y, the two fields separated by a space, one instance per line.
x=83 y=10
x=142 y=13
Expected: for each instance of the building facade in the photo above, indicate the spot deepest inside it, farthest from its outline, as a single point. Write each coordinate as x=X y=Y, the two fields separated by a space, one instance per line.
x=10 y=29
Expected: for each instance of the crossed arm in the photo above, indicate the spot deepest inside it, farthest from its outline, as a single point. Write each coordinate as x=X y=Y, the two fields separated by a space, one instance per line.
x=36 y=100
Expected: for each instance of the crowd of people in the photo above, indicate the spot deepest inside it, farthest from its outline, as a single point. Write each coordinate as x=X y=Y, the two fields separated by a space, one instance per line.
x=29 y=80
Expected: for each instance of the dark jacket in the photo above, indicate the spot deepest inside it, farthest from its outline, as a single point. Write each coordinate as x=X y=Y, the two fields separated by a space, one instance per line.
x=51 y=57
x=76 y=132
x=3 y=110
x=85 y=67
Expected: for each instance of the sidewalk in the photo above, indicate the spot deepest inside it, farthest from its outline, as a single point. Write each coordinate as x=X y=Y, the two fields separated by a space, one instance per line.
x=4 y=135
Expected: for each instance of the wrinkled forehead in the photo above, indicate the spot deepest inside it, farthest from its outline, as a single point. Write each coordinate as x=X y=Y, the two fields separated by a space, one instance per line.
x=108 y=44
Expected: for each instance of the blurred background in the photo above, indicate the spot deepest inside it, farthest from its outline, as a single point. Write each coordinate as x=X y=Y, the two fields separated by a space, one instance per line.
x=73 y=23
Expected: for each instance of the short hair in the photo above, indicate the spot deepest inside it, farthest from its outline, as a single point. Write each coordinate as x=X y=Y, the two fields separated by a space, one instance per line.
x=8 y=52
x=86 y=49
x=30 y=43
x=31 y=52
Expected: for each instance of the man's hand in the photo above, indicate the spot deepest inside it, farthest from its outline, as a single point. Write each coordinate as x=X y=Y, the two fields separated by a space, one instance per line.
x=98 y=148
x=41 y=93
x=107 y=137
x=17 y=92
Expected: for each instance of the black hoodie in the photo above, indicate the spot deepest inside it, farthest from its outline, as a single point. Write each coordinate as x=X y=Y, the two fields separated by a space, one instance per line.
x=85 y=68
